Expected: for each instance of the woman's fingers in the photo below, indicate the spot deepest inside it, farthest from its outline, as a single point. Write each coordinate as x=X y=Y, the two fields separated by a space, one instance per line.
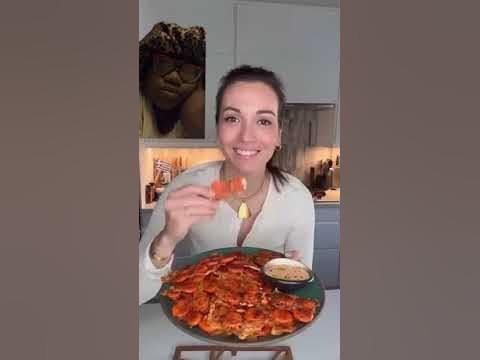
x=174 y=204
x=203 y=191
x=198 y=211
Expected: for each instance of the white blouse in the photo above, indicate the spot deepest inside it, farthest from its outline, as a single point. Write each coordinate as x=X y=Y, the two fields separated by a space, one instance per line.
x=286 y=222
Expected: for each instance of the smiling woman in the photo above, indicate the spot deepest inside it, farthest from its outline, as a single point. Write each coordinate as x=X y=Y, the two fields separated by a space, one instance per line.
x=249 y=109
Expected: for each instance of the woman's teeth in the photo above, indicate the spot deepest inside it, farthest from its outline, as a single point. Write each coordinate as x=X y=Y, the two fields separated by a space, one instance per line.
x=246 y=152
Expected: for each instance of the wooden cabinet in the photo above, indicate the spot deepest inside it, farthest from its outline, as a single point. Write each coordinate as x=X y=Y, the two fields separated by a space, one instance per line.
x=326 y=254
x=300 y=43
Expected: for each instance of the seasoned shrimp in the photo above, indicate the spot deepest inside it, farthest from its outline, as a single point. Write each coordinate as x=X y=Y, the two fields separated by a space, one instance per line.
x=210 y=327
x=304 y=315
x=193 y=318
x=181 y=308
x=201 y=303
x=279 y=329
x=305 y=303
x=232 y=321
x=254 y=314
x=251 y=298
x=282 y=301
x=282 y=317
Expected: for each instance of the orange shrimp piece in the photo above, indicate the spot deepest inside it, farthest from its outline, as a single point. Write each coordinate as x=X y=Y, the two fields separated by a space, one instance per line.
x=279 y=329
x=266 y=330
x=303 y=314
x=232 y=285
x=267 y=288
x=201 y=303
x=186 y=287
x=263 y=256
x=282 y=316
x=282 y=301
x=250 y=286
x=254 y=314
x=251 y=298
x=193 y=318
x=252 y=274
x=233 y=298
x=209 y=327
x=238 y=184
x=230 y=257
x=173 y=294
x=210 y=285
x=223 y=189
x=181 y=308
x=233 y=320
x=306 y=303
x=235 y=269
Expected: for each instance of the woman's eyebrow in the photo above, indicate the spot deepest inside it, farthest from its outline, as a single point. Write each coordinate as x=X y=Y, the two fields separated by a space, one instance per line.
x=231 y=108
x=266 y=112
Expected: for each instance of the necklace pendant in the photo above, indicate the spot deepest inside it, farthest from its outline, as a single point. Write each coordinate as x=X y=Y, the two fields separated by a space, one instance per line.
x=243 y=211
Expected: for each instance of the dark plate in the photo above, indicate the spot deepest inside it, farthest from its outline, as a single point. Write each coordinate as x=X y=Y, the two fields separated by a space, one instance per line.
x=314 y=290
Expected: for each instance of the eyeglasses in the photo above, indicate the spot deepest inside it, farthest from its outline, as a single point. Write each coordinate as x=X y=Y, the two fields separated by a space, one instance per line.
x=163 y=65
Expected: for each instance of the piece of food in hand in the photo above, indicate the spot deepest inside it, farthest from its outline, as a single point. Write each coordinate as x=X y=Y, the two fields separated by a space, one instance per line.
x=223 y=189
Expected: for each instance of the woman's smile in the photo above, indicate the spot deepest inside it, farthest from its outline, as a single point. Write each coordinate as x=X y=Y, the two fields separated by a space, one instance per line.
x=245 y=153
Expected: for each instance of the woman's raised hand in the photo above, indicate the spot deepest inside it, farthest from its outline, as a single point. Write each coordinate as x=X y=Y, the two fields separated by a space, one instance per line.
x=186 y=206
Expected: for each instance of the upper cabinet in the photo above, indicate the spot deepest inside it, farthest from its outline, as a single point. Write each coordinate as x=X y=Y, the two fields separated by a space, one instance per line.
x=300 y=43
x=309 y=125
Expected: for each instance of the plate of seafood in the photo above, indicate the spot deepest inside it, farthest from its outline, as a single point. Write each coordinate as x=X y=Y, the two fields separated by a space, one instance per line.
x=222 y=297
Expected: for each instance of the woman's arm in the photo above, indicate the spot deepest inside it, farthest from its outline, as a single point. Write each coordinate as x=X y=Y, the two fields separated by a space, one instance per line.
x=150 y=273
x=177 y=209
x=301 y=236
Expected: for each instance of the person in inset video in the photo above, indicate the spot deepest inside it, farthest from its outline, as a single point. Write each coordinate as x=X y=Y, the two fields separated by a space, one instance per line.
x=172 y=82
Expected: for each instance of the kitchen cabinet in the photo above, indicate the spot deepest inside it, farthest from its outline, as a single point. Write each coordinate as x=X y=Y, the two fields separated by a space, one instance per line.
x=309 y=125
x=326 y=254
x=300 y=43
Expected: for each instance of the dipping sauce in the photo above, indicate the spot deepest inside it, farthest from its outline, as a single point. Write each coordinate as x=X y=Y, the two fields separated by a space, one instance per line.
x=287 y=272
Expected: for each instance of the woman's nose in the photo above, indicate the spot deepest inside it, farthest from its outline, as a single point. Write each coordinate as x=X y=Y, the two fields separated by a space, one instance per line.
x=247 y=132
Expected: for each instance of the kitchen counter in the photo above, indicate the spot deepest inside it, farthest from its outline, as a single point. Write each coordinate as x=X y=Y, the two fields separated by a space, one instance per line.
x=159 y=337
x=331 y=197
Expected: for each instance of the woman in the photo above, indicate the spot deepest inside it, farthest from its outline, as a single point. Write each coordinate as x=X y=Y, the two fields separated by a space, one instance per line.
x=249 y=105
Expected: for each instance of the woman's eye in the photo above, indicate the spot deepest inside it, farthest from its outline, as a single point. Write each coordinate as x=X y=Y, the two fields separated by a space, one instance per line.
x=231 y=119
x=264 y=122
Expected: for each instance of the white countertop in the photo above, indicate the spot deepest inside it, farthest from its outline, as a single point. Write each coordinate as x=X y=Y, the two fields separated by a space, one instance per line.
x=159 y=337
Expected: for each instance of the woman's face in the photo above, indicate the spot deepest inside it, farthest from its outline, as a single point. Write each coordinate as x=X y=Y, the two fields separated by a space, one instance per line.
x=248 y=126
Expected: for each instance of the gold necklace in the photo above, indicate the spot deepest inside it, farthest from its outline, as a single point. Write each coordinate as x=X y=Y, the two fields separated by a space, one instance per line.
x=243 y=211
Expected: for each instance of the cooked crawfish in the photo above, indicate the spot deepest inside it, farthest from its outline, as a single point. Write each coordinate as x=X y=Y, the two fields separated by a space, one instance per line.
x=226 y=295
